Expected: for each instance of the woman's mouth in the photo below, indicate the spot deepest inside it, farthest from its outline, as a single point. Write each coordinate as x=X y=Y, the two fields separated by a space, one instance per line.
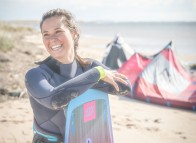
x=56 y=47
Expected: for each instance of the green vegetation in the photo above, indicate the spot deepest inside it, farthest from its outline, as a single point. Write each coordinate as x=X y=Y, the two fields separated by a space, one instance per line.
x=11 y=35
x=10 y=28
x=6 y=43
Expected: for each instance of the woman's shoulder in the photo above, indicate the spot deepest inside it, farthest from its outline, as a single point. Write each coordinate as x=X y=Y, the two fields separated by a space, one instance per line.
x=33 y=71
x=93 y=62
x=43 y=61
x=43 y=66
x=37 y=73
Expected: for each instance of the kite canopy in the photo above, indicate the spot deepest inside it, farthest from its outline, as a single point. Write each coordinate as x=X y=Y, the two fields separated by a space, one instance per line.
x=134 y=66
x=162 y=80
x=117 y=52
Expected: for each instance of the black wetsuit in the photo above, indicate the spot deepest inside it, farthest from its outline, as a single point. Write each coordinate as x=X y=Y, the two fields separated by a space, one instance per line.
x=52 y=85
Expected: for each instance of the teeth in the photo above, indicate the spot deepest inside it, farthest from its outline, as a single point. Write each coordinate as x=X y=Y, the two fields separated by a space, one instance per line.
x=56 y=47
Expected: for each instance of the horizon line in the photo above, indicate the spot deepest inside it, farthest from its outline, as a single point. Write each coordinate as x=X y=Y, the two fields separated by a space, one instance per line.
x=106 y=21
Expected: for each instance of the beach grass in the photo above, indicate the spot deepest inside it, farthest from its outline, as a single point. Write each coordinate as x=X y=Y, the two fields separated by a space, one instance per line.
x=6 y=43
x=10 y=35
x=11 y=28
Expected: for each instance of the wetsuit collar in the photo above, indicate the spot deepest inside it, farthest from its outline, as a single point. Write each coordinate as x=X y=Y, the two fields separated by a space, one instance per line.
x=68 y=70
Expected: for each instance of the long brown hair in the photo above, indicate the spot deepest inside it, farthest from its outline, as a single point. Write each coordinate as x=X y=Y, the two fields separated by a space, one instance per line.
x=70 y=23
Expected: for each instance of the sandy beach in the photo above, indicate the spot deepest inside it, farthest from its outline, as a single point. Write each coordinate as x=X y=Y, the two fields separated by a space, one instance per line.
x=132 y=120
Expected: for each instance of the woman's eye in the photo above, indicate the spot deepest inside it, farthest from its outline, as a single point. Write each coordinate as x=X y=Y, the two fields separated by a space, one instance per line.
x=45 y=35
x=58 y=31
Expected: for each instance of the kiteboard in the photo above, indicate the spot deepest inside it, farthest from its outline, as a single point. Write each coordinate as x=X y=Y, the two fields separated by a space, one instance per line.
x=88 y=119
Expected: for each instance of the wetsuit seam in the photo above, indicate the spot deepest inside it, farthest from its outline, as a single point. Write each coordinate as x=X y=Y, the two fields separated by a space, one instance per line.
x=50 y=118
x=56 y=125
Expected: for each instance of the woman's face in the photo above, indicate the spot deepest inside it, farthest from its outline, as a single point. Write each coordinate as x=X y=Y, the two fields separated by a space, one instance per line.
x=58 y=40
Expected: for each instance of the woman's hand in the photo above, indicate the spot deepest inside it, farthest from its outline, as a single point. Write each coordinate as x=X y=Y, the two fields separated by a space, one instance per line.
x=113 y=76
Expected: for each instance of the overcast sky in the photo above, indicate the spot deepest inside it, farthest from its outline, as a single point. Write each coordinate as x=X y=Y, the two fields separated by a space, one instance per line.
x=102 y=10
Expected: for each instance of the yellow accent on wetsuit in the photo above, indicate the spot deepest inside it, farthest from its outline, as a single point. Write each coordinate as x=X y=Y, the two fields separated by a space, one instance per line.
x=101 y=72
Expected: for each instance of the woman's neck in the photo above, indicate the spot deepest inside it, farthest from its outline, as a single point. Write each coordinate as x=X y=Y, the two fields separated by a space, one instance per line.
x=67 y=60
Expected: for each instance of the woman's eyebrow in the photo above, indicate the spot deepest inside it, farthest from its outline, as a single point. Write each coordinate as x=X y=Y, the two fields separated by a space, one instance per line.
x=44 y=32
x=58 y=28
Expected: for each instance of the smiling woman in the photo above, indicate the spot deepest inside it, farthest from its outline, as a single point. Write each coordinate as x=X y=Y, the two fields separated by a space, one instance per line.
x=64 y=75
x=58 y=40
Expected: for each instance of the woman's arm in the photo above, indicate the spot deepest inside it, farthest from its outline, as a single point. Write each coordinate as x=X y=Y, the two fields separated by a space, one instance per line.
x=57 y=97
x=38 y=86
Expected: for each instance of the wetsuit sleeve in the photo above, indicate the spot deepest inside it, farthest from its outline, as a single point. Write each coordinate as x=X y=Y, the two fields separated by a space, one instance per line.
x=57 y=97
x=108 y=88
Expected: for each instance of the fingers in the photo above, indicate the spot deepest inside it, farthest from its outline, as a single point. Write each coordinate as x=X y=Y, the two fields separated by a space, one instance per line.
x=123 y=81
x=115 y=85
x=120 y=75
x=121 y=78
x=112 y=77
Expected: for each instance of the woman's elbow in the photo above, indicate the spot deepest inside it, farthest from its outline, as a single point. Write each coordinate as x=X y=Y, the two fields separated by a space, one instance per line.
x=61 y=100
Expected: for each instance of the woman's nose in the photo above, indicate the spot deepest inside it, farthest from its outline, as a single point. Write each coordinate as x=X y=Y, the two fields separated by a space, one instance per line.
x=52 y=37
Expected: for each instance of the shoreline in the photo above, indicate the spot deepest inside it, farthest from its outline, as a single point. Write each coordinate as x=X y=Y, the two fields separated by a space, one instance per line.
x=145 y=38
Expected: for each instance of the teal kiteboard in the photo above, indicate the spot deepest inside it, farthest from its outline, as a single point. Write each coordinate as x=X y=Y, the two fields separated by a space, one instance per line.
x=88 y=119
